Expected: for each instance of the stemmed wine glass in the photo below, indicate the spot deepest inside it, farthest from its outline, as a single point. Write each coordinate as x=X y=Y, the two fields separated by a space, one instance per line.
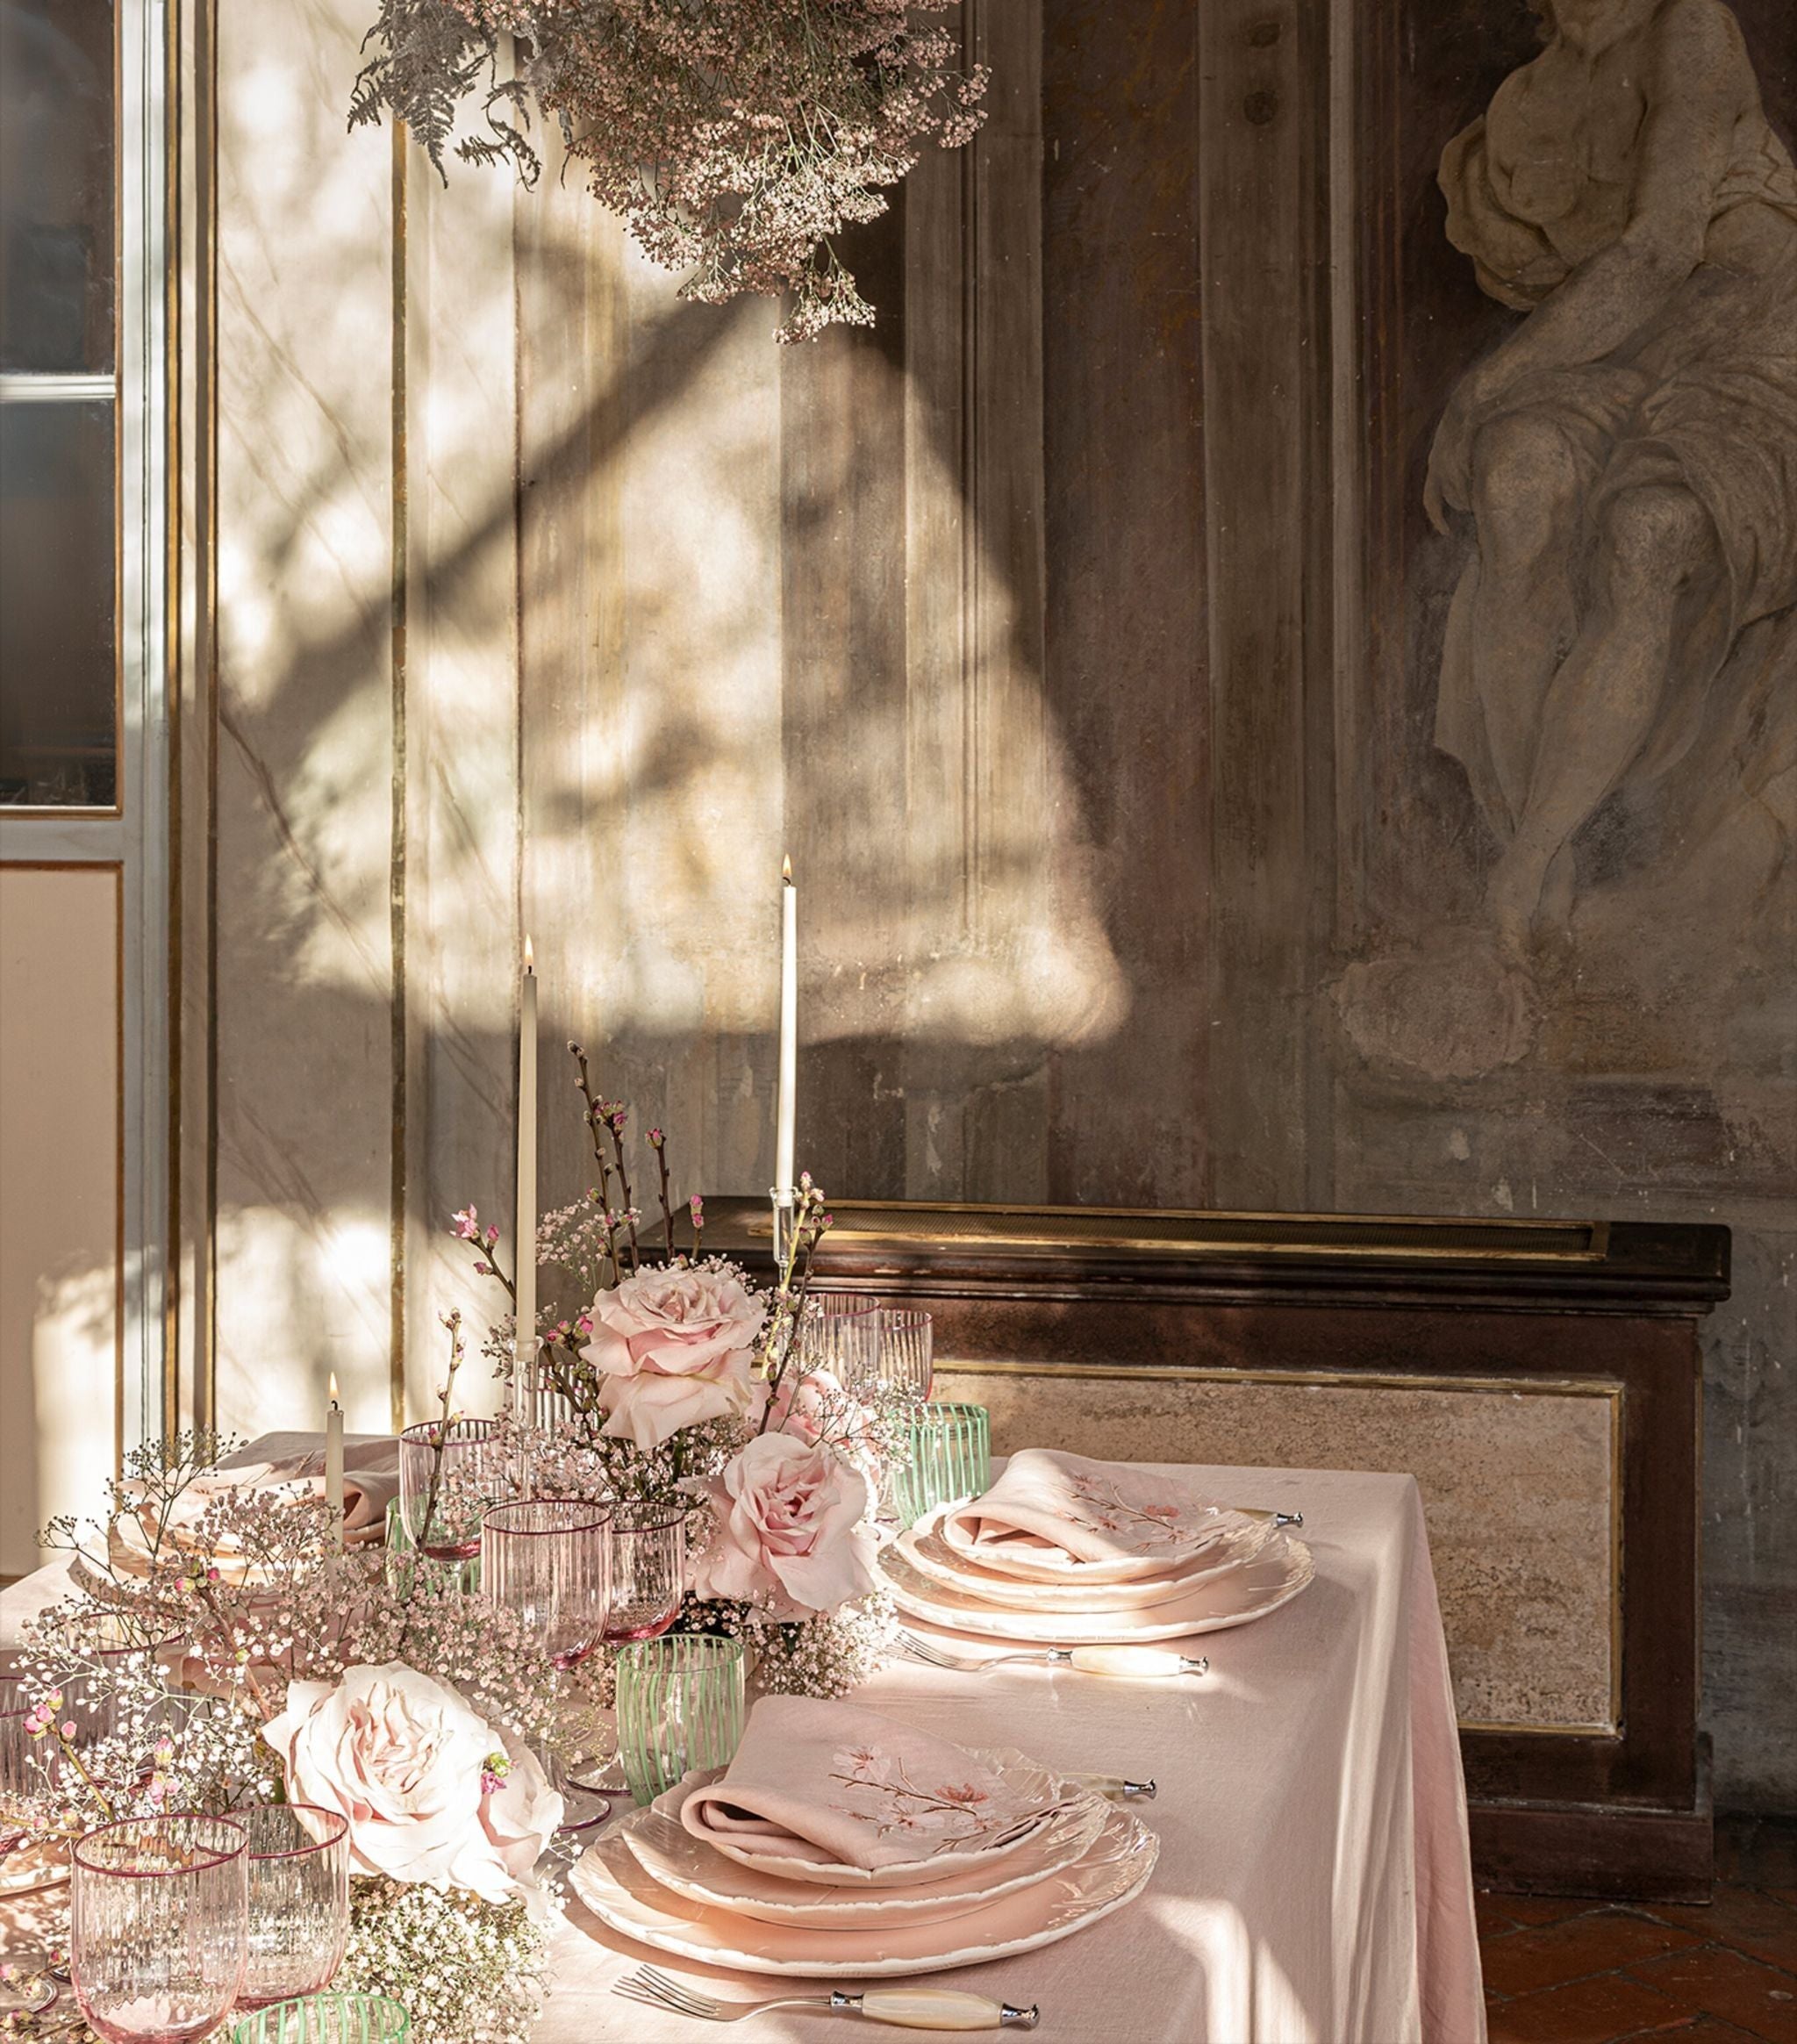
x=649 y=1570
x=474 y=1473
x=159 y=1926
x=549 y=1560
x=840 y=1332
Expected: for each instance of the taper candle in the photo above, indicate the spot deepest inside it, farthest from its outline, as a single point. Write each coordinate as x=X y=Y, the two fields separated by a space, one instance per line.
x=524 y=1346
x=333 y=1463
x=788 y=1105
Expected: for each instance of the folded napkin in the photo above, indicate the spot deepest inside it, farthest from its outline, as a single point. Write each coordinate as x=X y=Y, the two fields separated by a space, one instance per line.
x=833 y=1784
x=1051 y=1507
x=289 y=1466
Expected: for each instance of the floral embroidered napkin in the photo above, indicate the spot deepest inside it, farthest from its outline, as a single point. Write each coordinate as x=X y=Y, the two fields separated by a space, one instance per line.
x=1062 y=1511
x=289 y=1464
x=830 y=1783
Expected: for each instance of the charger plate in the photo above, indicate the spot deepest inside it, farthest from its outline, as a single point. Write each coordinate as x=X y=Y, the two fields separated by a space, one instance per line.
x=924 y=1548
x=672 y=1855
x=625 y=1898
x=1236 y=1597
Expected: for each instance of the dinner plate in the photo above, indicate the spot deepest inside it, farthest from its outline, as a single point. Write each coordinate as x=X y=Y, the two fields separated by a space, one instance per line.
x=628 y=1898
x=924 y=1547
x=1237 y=1597
x=1031 y=1783
x=666 y=1849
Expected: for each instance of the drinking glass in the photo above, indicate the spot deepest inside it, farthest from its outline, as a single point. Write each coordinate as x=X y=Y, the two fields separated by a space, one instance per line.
x=679 y=1707
x=649 y=1570
x=298 y=1874
x=475 y=1473
x=840 y=1332
x=124 y=1668
x=326 y=2019
x=950 y=1458
x=18 y=1780
x=159 y=1926
x=549 y=1560
x=904 y=1349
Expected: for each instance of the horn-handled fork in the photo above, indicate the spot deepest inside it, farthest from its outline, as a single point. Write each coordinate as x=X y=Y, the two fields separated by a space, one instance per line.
x=909 y=2008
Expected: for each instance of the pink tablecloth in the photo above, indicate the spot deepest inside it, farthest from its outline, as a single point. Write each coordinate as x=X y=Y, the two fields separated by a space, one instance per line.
x=1313 y=1885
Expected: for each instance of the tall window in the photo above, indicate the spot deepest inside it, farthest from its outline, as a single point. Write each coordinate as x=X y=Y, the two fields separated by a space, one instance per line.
x=83 y=580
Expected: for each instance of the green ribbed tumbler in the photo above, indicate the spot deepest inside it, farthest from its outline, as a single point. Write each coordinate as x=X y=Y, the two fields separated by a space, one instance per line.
x=951 y=1458
x=679 y=1707
x=326 y=2019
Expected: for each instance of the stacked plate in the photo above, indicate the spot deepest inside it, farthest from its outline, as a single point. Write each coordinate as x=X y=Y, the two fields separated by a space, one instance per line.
x=1226 y=1568
x=738 y=1902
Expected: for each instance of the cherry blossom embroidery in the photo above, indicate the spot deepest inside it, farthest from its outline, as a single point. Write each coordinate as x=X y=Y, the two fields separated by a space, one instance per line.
x=1156 y=1522
x=878 y=1789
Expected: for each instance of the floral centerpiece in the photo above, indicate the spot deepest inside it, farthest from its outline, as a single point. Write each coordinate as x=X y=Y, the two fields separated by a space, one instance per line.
x=666 y=1377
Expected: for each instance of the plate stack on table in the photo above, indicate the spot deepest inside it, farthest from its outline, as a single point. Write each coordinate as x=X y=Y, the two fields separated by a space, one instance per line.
x=840 y=1844
x=1075 y=1552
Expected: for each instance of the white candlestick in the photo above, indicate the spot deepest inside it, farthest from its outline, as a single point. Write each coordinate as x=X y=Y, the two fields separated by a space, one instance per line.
x=333 y=1463
x=524 y=1349
x=788 y=1108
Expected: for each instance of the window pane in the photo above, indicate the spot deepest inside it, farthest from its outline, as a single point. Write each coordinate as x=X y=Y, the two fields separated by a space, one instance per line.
x=56 y=185
x=58 y=693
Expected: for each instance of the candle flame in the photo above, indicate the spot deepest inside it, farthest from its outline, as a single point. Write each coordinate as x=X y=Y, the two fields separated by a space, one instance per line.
x=787 y=869
x=529 y=956
x=333 y=1387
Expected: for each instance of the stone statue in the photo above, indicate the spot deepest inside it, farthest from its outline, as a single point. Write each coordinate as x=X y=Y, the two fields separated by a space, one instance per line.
x=1626 y=459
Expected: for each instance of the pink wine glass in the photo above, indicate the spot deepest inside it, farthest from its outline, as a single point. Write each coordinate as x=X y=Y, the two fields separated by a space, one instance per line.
x=477 y=1473
x=298 y=1863
x=649 y=1570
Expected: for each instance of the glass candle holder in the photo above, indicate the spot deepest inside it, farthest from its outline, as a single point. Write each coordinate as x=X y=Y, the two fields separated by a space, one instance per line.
x=840 y=1332
x=326 y=2019
x=950 y=1457
x=679 y=1707
x=648 y=1571
x=159 y=1926
x=298 y=1885
x=475 y=1474
x=906 y=1347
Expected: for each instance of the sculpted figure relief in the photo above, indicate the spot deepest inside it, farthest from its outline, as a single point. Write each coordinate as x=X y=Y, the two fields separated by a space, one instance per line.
x=1625 y=461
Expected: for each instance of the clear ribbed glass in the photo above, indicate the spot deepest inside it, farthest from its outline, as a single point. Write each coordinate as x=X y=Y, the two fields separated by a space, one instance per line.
x=159 y=1926
x=477 y=1474
x=18 y=1779
x=649 y=1570
x=950 y=1458
x=840 y=1333
x=298 y=1899
x=549 y=1560
x=905 y=1347
x=679 y=1707
x=326 y=2019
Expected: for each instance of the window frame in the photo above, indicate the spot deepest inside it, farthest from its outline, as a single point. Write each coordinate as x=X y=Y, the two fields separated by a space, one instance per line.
x=134 y=834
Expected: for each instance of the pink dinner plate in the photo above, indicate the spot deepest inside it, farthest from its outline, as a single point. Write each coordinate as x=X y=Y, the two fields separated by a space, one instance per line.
x=626 y=1898
x=669 y=1853
x=924 y=1547
x=1236 y=1597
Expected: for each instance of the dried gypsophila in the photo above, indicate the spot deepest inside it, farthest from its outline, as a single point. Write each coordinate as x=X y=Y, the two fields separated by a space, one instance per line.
x=736 y=140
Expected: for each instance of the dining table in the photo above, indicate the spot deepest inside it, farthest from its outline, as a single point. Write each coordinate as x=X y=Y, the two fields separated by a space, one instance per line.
x=1313 y=1884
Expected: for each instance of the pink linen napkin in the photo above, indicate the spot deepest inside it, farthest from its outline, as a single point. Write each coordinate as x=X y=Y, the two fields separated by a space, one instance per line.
x=1052 y=1507
x=836 y=1785
x=286 y=1465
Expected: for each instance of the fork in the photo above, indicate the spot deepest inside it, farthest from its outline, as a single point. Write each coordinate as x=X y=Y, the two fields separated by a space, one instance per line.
x=1137 y=1661
x=910 y=2008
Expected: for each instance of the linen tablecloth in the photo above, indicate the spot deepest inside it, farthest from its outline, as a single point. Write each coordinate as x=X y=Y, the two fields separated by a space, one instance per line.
x=1313 y=1885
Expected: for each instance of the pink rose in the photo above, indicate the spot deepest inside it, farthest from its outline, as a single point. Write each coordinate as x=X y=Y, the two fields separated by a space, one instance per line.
x=789 y=1530
x=676 y=1347
x=431 y=1792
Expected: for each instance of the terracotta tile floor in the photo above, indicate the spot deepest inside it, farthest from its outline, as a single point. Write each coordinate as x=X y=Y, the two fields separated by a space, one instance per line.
x=1567 y=1972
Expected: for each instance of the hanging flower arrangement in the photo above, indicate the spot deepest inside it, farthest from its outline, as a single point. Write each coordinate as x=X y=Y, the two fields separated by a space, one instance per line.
x=736 y=138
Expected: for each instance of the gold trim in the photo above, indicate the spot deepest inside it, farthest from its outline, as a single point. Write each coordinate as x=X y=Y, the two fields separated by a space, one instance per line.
x=1606 y=1389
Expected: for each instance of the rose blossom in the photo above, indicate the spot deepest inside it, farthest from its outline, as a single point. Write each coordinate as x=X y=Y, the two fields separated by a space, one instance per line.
x=789 y=1530
x=409 y=1764
x=675 y=1347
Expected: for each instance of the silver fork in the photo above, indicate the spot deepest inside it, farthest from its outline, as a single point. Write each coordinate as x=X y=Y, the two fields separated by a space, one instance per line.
x=1124 y=1660
x=912 y=2008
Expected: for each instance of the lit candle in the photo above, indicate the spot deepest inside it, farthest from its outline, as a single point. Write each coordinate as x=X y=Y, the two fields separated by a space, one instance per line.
x=333 y=1463
x=789 y=1037
x=524 y=1347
